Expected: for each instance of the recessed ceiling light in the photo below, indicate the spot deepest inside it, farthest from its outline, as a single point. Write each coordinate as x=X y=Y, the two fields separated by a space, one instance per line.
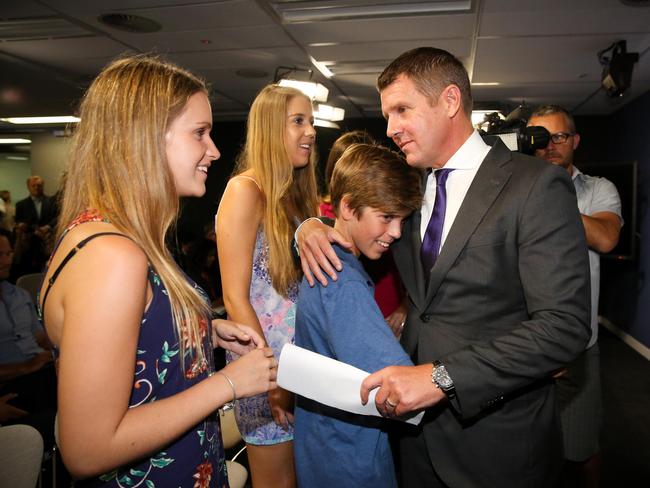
x=15 y=140
x=324 y=70
x=328 y=112
x=326 y=123
x=324 y=11
x=315 y=91
x=61 y=119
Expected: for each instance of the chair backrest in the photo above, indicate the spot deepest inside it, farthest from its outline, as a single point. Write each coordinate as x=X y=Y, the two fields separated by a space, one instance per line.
x=30 y=283
x=21 y=455
x=229 y=430
x=237 y=474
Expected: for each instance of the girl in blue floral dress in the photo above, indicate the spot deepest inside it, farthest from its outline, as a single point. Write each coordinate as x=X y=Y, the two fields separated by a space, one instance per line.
x=274 y=188
x=137 y=386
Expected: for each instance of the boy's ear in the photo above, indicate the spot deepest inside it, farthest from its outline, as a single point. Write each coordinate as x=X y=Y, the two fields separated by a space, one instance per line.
x=345 y=211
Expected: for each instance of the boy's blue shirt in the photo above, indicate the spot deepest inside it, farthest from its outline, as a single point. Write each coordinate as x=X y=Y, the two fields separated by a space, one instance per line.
x=343 y=321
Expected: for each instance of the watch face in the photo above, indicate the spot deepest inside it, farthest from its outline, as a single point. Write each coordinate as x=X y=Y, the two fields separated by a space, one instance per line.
x=442 y=378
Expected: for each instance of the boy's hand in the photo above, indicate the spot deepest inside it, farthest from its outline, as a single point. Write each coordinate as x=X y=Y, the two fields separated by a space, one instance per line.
x=397 y=319
x=281 y=403
x=316 y=252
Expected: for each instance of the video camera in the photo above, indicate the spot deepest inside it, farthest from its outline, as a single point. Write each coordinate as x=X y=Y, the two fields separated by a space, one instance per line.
x=513 y=131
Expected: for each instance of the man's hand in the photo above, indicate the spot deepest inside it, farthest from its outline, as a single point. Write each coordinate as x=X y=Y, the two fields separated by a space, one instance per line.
x=235 y=337
x=402 y=389
x=316 y=252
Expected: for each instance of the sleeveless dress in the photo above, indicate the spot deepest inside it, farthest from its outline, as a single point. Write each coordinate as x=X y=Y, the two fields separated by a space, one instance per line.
x=196 y=459
x=277 y=316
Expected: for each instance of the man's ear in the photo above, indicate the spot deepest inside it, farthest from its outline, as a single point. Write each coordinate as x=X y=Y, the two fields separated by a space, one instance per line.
x=452 y=100
x=345 y=211
x=576 y=141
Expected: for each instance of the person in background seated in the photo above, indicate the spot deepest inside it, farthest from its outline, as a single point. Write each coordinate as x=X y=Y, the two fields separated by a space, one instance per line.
x=579 y=395
x=273 y=189
x=138 y=391
x=27 y=377
x=373 y=190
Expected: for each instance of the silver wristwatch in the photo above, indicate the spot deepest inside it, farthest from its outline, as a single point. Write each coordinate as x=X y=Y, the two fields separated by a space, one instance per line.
x=442 y=380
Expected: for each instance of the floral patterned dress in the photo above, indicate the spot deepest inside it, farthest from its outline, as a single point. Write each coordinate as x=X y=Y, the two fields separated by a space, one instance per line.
x=277 y=316
x=196 y=459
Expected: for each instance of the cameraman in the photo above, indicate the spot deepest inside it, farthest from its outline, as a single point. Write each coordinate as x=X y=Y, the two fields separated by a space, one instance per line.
x=578 y=390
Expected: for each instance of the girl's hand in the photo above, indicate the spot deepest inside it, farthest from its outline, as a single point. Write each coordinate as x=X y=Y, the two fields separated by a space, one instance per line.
x=253 y=373
x=235 y=337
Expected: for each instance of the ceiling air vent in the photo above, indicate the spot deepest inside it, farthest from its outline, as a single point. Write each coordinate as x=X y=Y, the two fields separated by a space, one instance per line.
x=297 y=11
x=130 y=23
x=636 y=3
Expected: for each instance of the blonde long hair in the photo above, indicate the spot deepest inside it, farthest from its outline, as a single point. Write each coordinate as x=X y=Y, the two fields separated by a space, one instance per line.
x=118 y=166
x=289 y=193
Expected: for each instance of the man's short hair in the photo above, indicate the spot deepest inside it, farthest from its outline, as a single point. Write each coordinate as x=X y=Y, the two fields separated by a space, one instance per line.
x=432 y=70
x=544 y=110
x=34 y=177
x=374 y=176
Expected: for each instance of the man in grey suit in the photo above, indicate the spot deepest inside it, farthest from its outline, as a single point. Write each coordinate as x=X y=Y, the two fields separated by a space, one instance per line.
x=502 y=301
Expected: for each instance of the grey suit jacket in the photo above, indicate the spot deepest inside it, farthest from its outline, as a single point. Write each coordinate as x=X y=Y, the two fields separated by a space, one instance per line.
x=506 y=303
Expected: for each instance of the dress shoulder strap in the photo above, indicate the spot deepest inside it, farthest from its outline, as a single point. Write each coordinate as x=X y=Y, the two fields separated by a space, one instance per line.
x=68 y=257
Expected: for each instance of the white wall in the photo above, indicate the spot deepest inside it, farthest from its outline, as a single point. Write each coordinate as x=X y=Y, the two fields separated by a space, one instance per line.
x=49 y=155
x=14 y=174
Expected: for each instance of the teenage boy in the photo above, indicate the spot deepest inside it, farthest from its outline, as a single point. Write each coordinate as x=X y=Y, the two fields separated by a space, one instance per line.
x=373 y=190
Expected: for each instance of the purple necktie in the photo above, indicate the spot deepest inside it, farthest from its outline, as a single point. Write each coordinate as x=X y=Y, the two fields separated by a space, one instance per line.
x=433 y=234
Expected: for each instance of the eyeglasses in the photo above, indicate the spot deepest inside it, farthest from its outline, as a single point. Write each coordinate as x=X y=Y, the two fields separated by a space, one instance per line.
x=561 y=137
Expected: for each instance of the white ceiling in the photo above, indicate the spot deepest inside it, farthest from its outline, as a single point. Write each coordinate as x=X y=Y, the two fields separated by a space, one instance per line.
x=538 y=51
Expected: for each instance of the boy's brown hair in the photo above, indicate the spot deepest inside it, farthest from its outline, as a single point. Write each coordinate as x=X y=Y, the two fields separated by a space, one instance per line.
x=340 y=145
x=374 y=176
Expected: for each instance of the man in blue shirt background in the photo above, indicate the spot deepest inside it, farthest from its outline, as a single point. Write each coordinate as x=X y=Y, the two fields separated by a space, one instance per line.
x=27 y=377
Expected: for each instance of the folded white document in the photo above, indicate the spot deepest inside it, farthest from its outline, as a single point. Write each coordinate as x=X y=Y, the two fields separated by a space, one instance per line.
x=328 y=381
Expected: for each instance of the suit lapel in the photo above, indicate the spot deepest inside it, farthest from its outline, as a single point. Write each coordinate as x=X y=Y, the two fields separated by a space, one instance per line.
x=406 y=252
x=488 y=183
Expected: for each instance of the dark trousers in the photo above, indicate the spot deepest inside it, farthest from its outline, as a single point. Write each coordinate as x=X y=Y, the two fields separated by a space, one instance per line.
x=415 y=467
x=37 y=396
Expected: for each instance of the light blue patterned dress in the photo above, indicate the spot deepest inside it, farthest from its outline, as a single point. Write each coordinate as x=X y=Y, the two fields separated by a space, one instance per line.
x=277 y=316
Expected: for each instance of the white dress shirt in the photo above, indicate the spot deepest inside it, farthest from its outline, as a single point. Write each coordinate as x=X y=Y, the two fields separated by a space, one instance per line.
x=465 y=162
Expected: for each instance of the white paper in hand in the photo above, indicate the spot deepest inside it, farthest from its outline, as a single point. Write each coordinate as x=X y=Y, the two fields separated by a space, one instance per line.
x=327 y=381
